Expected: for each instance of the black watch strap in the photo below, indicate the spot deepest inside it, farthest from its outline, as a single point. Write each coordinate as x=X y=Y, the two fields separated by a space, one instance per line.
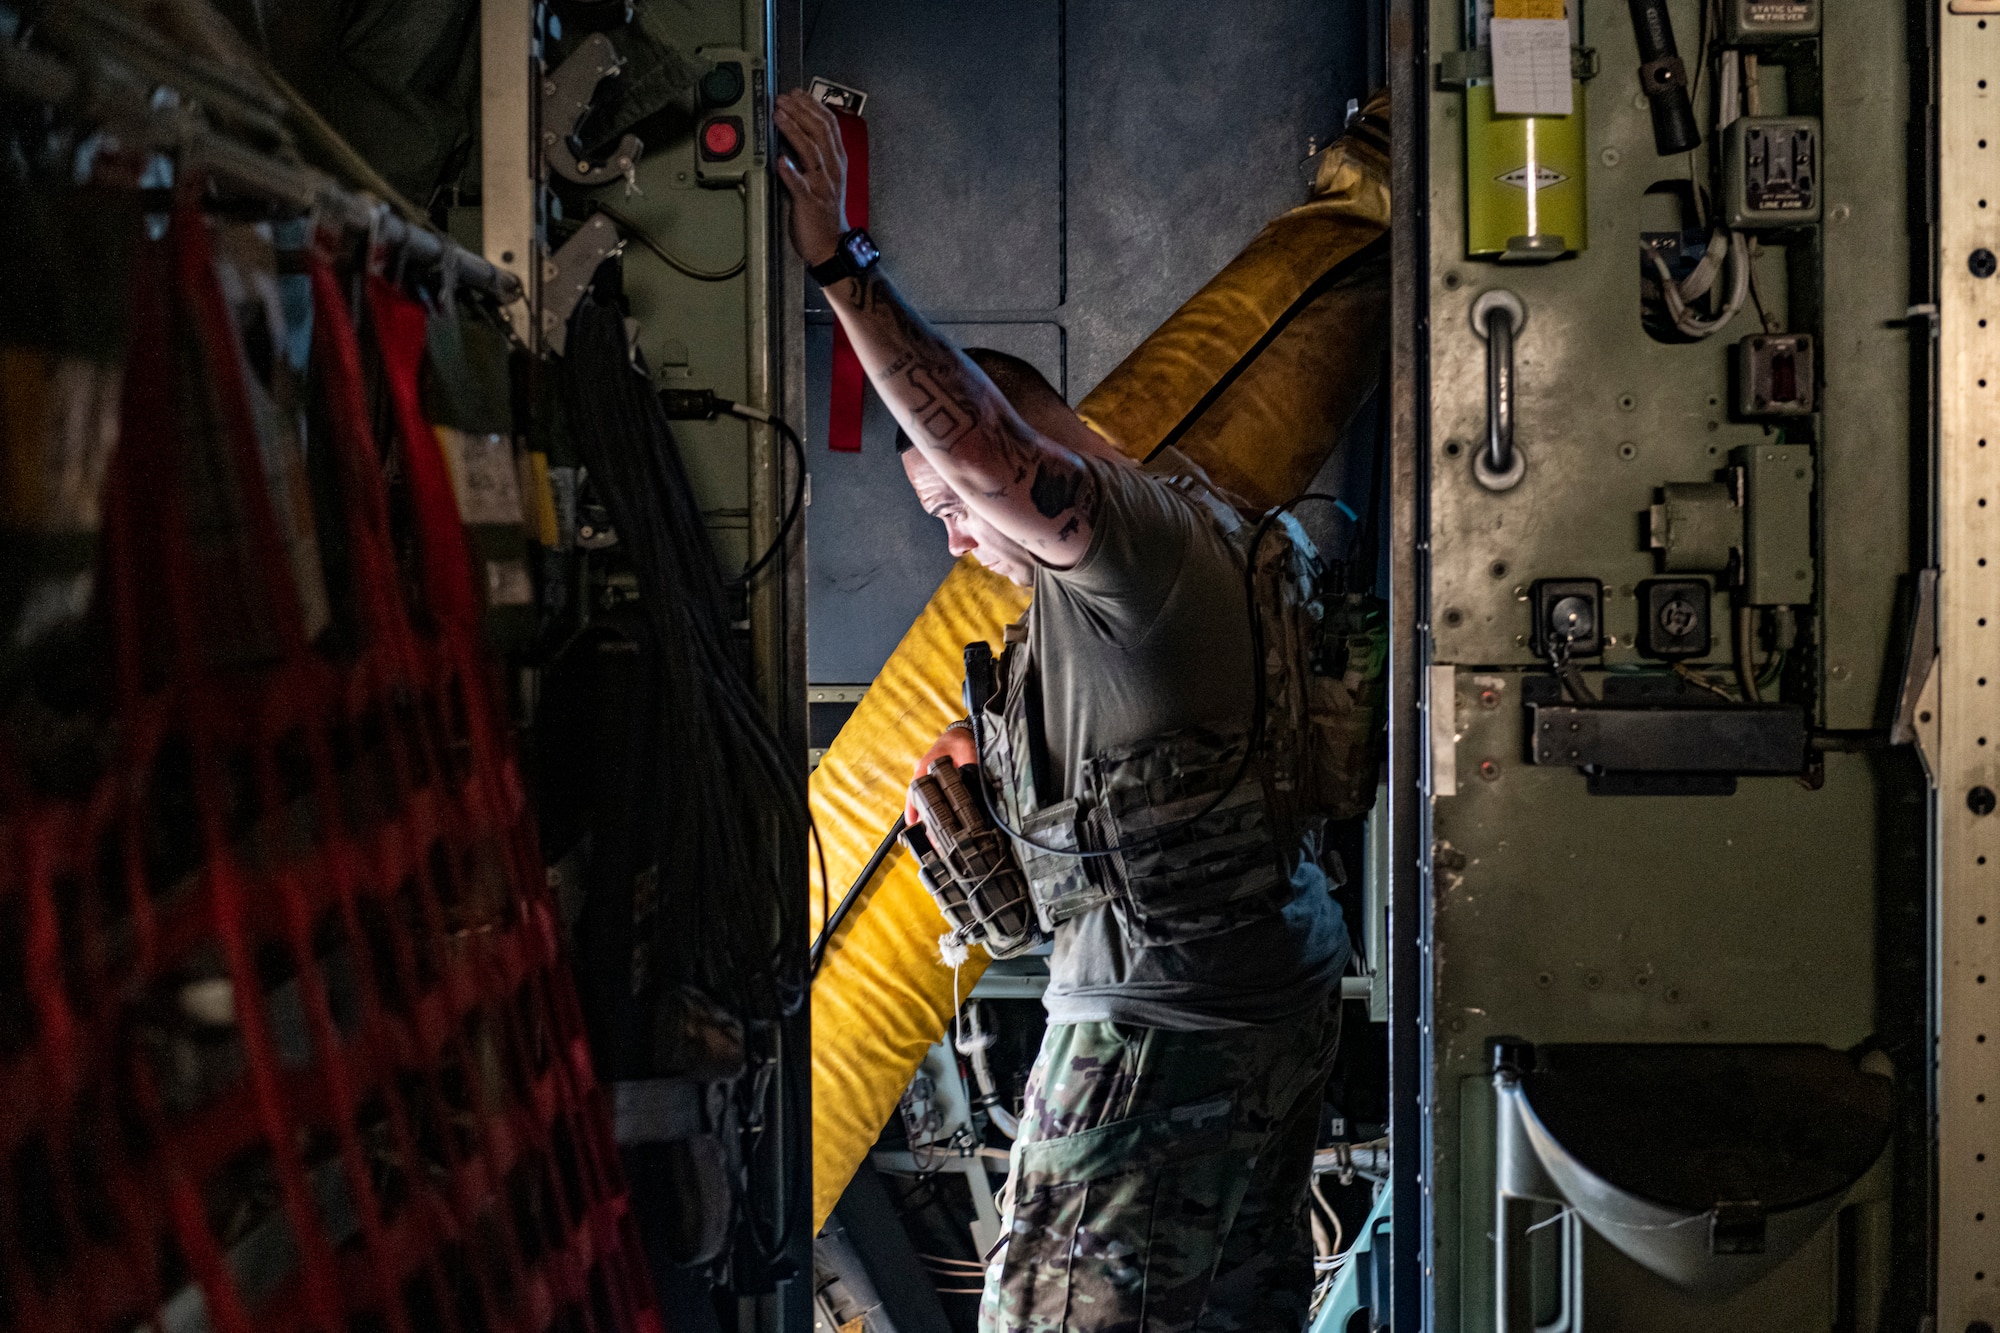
x=853 y=256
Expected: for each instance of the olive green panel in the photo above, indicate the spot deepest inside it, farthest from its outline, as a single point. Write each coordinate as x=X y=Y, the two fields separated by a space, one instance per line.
x=1864 y=457
x=1605 y=414
x=1562 y=916
x=697 y=334
x=1567 y=917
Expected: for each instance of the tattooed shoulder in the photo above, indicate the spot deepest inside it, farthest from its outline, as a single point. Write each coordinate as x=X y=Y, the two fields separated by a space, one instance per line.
x=1065 y=491
x=1056 y=487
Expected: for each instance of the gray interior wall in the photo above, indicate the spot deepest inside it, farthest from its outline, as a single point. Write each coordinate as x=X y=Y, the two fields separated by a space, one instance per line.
x=1051 y=180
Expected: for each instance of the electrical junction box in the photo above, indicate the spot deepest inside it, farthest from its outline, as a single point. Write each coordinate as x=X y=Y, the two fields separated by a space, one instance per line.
x=1777 y=523
x=1733 y=814
x=1771 y=171
x=1747 y=22
x=733 y=126
x=1674 y=618
x=1774 y=375
x=1571 y=610
x=1697 y=526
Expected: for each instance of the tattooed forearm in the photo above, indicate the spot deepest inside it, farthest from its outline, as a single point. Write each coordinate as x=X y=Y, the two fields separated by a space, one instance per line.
x=859 y=292
x=963 y=426
x=945 y=416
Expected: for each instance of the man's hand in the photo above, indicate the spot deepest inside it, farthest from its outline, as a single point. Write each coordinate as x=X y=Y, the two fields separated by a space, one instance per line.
x=817 y=179
x=956 y=742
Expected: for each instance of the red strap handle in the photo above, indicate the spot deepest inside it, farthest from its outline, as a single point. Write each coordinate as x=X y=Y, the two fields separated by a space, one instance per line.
x=845 y=398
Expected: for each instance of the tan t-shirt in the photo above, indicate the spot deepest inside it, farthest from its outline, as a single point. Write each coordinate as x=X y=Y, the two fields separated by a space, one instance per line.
x=1149 y=634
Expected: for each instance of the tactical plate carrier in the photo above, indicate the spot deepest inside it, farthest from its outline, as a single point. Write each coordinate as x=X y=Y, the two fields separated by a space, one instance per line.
x=1169 y=876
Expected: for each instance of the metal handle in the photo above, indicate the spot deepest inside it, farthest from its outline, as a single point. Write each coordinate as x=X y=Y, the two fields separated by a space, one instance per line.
x=1499 y=390
x=1523 y=1189
x=1497 y=316
x=1514 y=1262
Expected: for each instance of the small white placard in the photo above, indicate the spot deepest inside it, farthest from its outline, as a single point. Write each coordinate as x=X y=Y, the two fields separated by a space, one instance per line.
x=1441 y=701
x=1531 y=67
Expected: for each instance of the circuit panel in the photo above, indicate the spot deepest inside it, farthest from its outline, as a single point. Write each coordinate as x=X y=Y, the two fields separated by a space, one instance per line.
x=1670 y=532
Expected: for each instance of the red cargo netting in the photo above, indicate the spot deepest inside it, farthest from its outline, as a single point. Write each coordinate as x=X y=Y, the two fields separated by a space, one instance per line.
x=285 y=1038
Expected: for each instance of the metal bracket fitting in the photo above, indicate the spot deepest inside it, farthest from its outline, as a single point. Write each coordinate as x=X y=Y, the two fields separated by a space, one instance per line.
x=567 y=92
x=567 y=274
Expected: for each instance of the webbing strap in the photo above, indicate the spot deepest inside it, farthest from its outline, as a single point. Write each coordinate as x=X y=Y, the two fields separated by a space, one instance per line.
x=846 y=396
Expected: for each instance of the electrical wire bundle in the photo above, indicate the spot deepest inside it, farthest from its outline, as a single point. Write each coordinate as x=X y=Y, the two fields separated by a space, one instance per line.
x=732 y=805
x=1725 y=248
x=1333 y=1250
x=954 y=1277
x=1730 y=251
x=728 y=805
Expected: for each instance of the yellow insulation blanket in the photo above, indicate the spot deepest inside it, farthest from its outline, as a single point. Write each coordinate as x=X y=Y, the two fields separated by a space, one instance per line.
x=1253 y=378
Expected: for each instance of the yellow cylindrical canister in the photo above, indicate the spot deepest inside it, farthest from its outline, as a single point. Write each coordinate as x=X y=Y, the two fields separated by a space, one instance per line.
x=1525 y=195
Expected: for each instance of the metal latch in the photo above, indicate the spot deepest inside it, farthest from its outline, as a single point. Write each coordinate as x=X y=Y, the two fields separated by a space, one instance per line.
x=567 y=93
x=567 y=274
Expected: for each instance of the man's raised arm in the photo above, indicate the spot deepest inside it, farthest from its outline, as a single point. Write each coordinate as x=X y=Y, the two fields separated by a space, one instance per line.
x=1026 y=485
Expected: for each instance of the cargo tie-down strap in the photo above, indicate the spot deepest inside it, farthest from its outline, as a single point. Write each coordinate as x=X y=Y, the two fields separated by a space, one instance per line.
x=849 y=381
x=286 y=1042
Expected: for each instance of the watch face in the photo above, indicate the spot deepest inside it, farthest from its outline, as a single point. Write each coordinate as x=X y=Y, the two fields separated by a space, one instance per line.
x=861 y=251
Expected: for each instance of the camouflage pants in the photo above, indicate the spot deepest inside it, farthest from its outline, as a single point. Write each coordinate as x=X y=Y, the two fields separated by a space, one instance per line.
x=1159 y=1181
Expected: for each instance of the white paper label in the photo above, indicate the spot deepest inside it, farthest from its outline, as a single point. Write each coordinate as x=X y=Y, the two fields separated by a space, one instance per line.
x=1531 y=67
x=483 y=474
x=508 y=584
x=1442 y=703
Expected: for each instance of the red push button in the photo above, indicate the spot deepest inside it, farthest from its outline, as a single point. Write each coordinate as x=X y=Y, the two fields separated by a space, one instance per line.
x=722 y=138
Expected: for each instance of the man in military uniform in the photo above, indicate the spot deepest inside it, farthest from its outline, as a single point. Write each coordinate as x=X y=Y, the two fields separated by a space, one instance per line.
x=1165 y=1147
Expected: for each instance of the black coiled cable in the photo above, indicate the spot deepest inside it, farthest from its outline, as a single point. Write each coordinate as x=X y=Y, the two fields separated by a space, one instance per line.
x=731 y=799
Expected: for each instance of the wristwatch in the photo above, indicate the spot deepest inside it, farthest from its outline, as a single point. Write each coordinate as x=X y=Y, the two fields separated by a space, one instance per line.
x=853 y=256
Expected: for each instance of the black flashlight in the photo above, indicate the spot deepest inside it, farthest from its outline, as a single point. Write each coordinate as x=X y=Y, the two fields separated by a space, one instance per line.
x=1664 y=79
